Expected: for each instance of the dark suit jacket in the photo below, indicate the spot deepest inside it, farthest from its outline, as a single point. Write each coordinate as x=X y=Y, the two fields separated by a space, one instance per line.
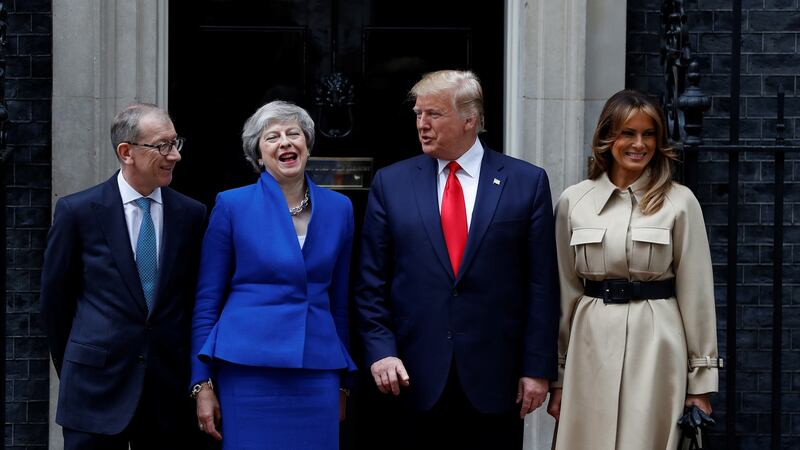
x=102 y=339
x=498 y=320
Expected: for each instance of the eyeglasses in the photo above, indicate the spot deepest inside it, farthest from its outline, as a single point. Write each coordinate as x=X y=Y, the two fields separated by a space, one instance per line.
x=163 y=148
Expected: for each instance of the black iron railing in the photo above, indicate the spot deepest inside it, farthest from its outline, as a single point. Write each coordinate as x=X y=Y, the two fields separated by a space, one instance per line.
x=684 y=107
x=3 y=157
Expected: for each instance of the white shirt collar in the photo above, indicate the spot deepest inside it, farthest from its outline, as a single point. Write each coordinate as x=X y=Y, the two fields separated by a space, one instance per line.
x=130 y=194
x=470 y=161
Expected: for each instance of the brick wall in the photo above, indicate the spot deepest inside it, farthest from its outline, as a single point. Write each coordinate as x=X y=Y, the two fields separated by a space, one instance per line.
x=28 y=94
x=770 y=55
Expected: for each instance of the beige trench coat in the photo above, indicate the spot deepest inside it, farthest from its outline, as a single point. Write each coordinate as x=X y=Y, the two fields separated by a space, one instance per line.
x=626 y=368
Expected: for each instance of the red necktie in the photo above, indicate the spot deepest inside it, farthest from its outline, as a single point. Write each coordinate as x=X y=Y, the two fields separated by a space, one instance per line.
x=454 y=217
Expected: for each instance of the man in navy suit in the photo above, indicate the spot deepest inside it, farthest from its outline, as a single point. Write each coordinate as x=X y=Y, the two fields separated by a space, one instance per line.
x=117 y=293
x=458 y=296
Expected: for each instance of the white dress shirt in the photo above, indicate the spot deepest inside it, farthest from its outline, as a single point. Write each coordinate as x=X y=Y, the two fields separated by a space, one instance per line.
x=133 y=214
x=468 y=176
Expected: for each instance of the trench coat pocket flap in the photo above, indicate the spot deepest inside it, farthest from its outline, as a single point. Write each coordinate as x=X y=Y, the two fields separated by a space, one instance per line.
x=86 y=354
x=651 y=235
x=581 y=236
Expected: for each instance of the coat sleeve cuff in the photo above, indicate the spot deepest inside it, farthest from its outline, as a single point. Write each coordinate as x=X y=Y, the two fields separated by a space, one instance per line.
x=702 y=380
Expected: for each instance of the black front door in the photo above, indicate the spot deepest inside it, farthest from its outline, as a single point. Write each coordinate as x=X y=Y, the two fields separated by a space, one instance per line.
x=228 y=57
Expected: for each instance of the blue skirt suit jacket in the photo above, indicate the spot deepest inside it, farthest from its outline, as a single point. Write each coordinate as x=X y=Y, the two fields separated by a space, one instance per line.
x=261 y=299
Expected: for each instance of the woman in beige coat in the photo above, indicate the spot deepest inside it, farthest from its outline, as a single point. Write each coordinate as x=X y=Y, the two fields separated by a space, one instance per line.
x=638 y=335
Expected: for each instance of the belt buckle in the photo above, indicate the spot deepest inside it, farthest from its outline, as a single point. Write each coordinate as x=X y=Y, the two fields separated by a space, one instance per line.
x=617 y=291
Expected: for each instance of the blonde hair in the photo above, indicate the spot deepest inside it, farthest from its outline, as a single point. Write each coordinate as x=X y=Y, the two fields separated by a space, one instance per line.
x=616 y=112
x=464 y=86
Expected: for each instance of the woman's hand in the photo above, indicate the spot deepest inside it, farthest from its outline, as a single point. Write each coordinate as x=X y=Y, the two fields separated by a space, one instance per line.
x=554 y=405
x=208 y=413
x=701 y=401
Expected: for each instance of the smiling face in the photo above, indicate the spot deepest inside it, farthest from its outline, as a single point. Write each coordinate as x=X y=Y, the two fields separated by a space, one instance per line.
x=145 y=168
x=443 y=132
x=633 y=149
x=283 y=151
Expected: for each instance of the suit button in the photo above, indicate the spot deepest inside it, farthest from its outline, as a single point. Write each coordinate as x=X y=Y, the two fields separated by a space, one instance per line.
x=141 y=359
x=455 y=292
x=449 y=335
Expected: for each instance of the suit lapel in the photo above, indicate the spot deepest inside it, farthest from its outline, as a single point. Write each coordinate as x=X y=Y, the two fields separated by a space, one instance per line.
x=170 y=241
x=111 y=217
x=425 y=191
x=490 y=186
x=282 y=244
x=318 y=209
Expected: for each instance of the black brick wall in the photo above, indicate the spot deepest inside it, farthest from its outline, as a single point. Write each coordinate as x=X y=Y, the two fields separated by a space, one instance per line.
x=770 y=55
x=28 y=95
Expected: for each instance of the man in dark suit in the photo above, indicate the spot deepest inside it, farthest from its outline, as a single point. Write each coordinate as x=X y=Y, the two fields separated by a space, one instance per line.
x=117 y=293
x=458 y=295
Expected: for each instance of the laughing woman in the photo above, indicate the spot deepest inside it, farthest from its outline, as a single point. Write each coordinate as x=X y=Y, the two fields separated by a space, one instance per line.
x=637 y=338
x=269 y=334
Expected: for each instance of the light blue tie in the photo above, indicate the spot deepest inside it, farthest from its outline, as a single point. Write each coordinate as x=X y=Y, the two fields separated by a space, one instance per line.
x=146 y=257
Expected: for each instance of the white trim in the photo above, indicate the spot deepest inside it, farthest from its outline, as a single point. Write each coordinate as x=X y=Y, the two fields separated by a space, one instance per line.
x=106 y=54
x=511 y=115
x=162 y=55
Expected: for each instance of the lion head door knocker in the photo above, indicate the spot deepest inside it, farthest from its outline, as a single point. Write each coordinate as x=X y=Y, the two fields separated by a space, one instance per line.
x=335 y=101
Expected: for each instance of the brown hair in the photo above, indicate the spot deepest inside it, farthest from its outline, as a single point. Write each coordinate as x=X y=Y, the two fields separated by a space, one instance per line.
x=616 y=112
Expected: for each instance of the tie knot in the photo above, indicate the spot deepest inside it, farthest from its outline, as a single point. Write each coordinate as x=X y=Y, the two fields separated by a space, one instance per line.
x=453 y=166
x=143 y=203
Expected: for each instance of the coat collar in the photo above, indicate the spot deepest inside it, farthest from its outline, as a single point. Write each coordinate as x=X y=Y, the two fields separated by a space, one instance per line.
x=604 y=188
x=425 y=192
x=490 y=186
x=111 y=217
x=272 y=190
x=171 y=237
x=470 y=161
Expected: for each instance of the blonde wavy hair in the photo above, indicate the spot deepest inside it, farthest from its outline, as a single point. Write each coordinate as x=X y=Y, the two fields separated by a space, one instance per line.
x=463 y=85
x=616 y=112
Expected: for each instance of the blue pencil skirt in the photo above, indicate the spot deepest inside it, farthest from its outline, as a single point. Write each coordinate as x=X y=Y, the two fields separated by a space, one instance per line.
x=268 y=408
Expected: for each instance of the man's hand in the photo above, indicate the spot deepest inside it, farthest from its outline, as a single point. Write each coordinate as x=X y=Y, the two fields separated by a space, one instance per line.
x=389 y=374
x=531 y=393
x=208 y=413
x=554 y=406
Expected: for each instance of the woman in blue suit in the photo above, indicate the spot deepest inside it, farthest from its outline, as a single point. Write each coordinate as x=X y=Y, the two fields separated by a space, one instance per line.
x=269 y=331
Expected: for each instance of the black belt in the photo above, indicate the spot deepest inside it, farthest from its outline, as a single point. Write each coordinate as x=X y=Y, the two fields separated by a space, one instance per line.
x=623 y=291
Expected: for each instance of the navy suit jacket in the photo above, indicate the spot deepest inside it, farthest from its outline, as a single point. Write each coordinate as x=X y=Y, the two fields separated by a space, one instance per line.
x=103 y=340
x=498 y=320
x=261 y=299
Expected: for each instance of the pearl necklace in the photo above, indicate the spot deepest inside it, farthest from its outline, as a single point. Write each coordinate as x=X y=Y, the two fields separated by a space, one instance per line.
x=295 y=211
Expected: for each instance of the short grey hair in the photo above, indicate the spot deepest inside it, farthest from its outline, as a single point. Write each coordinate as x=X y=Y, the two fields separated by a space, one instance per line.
x=464 y=86
x=278 y=111
x=125 y=126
